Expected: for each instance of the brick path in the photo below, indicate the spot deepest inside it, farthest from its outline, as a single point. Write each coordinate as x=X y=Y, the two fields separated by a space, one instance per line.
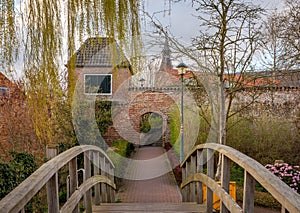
x=151 y=179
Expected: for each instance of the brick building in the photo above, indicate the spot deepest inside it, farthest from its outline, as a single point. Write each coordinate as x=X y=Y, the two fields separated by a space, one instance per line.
x=109 y=77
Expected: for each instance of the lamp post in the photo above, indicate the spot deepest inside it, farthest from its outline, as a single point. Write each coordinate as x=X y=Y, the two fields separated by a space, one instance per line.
x=181 y=71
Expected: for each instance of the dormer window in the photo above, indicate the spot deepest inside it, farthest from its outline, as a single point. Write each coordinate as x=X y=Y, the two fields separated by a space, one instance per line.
x=98 y=84
x=4 y=92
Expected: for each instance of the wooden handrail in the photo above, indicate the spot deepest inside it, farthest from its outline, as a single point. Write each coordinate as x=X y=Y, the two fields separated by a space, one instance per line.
x=288 y=198
x=216 y=188
x=71 y=203
x=23 y=193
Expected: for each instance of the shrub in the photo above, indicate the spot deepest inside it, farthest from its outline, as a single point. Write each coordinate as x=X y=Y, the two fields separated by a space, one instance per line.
x=15 y=171
x=119 y=150
x=288 y=174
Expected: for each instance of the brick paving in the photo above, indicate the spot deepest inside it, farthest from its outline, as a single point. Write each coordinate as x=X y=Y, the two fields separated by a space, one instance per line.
x=149 y=179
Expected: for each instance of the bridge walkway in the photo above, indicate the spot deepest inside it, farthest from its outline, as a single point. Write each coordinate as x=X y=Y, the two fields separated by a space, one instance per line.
x=151 y=186
x=151 y=180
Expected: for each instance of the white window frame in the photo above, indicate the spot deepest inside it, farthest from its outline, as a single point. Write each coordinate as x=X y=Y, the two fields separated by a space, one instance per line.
x=93 y=74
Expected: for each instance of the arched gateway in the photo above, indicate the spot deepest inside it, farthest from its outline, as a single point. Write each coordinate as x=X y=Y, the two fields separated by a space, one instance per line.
x=132 y=95
x=129 y=120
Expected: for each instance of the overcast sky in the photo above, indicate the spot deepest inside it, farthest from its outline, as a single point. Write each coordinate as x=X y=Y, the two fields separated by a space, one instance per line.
x=181 y=21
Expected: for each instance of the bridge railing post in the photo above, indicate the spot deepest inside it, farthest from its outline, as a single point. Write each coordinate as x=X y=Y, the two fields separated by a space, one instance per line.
x=210 y=173
x=103 y=185
x=199 y=170
x=193 y=185
x=225 y=179
x=111 y=177
x=88 y=194
x=248 y=197
x=184 y=190
x=52 y=185
x=73 y=179
x=108 y=188
x=188 y=173
x=96 y=159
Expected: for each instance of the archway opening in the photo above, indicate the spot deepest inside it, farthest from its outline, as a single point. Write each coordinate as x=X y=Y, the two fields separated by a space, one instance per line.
x=151 y=129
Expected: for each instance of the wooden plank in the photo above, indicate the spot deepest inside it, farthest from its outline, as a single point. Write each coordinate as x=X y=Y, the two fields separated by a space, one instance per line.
x=84 y=187
x=225 y=179
x=52 y=184
x=184 y=190
x=96 y=160
x=88 y=194
x=111 y=177
x=103 y=186
x=187 y=174
x=230 y=203
x=150 y=207
x=248 y=195
x=193 y=185
x=199 y=170
x=210 y=173
x=73 y=179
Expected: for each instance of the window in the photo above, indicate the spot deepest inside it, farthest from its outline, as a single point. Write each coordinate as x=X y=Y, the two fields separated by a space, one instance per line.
x=98 y=84
x=4 y=92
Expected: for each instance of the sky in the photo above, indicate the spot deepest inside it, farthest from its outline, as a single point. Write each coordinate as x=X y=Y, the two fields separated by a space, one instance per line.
x=181 y=21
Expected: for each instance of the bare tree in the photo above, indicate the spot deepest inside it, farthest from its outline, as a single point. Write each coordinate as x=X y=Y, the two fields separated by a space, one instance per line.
x=272 y=46
x=229 y=37
x=290 y=33
x=281 y=49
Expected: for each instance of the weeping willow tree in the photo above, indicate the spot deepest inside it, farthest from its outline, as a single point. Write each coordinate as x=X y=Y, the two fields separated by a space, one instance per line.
x=40 y=30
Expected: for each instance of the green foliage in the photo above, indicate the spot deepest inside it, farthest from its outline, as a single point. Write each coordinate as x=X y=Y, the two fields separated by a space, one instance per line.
x=119 y=150
x=103 y=115
x=144 y=123
x=237 y=175
x=265 y=139
x=175 y=129
x=15 y=171
x=122 y=147
x=150 y=120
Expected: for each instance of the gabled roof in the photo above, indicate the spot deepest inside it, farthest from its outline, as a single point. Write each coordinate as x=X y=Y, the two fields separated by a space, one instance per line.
x=100 y=52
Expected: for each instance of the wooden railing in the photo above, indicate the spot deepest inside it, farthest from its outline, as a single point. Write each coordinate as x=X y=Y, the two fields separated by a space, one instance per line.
x=102 y=180
x=193 y=178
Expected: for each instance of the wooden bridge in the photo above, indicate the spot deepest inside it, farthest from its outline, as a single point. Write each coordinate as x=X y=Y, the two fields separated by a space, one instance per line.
x=98 y=187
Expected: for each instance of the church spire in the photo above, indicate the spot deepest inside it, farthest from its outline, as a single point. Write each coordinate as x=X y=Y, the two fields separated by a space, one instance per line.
x=166 y=62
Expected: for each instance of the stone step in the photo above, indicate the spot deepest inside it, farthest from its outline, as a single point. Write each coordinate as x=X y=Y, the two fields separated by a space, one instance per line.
x=149 y=207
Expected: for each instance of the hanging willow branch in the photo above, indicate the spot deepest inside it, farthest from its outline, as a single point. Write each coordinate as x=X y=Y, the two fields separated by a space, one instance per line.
x=46 y=26
x=8 y=41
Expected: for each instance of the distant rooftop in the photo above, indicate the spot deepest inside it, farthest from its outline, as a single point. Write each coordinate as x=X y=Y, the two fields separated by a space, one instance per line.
x=99 y=52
